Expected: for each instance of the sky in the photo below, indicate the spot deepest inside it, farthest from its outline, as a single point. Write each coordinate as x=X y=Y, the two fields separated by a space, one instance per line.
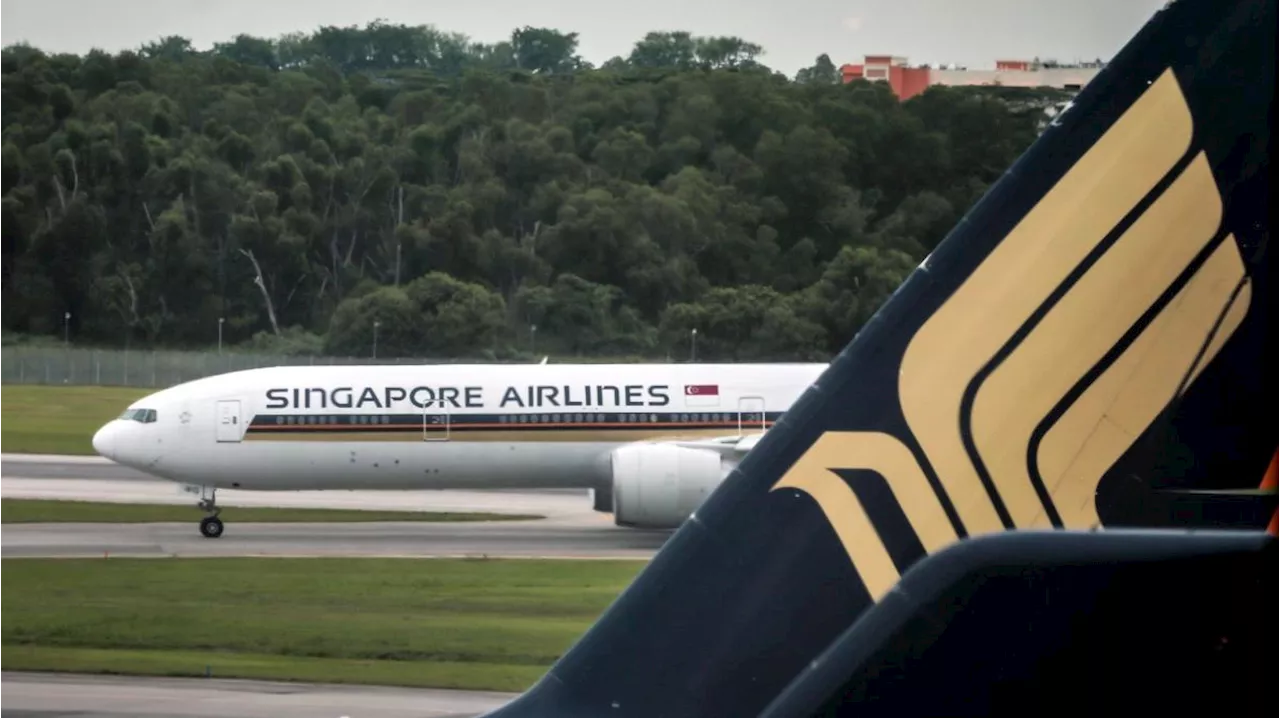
x=792 y=32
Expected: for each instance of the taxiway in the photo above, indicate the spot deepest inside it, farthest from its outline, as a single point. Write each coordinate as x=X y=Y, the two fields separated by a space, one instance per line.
x=92 y=478
x=44 y=695
x=571 y=528
x=498 y=539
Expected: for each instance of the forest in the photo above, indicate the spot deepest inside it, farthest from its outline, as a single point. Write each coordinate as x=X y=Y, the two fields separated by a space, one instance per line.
x=464 y=199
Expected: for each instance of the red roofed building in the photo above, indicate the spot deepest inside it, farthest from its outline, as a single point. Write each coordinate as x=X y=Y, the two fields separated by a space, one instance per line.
x=907 y=81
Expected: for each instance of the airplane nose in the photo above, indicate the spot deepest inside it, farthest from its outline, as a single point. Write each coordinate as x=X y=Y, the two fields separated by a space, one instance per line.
x=102 y=441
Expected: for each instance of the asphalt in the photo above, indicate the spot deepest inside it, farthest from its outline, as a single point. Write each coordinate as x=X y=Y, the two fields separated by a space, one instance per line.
x=66 y=468
x=500 y=539
x=571 y=529
x=42 y=695
x=38 y=466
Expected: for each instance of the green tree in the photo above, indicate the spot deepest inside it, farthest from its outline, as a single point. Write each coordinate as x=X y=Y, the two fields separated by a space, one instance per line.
x=300 y=189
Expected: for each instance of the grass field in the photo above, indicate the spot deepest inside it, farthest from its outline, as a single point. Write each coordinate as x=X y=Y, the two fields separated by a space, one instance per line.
x=28 y=511
x=476 y=624
x=58 y=419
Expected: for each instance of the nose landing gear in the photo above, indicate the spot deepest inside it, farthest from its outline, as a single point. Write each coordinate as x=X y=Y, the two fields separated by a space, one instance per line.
x=211 y=525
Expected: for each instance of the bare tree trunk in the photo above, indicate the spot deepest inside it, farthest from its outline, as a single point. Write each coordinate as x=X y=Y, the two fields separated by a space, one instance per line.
x=62 y=197
x=262 y=285
x=133 y=299
x=351 y=248
x=399 y=221
x=289 y=298
x=336 y=255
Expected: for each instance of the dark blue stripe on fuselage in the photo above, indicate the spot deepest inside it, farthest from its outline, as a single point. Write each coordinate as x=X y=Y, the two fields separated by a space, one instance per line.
x=558 y=421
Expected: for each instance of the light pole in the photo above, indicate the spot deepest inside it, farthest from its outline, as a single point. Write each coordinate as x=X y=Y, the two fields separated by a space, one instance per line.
x=376 y=324
x=220 y=321
x=693 y=345
x=66 y=343
x=533 y=338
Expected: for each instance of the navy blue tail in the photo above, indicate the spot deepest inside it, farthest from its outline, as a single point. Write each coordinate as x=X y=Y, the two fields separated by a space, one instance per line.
x=1092 y=346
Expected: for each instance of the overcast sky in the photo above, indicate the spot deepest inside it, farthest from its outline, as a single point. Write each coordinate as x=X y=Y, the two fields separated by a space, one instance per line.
x=792 y=32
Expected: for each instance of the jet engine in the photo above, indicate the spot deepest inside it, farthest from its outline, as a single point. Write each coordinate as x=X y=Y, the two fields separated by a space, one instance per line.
x=657 y=486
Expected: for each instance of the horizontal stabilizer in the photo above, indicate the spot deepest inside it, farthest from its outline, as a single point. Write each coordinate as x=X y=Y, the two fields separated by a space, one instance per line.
x=1062 y=623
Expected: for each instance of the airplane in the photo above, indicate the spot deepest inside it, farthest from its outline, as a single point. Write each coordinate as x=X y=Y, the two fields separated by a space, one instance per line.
x=1041 y=479
x=650 y=441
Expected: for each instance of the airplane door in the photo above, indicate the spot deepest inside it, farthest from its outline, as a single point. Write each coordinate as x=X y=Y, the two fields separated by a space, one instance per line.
x=229 y=425
x=435 y=425
x=750 y=414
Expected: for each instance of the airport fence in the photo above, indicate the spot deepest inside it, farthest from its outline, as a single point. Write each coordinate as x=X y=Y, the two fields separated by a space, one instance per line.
x=119 y=367
x=150 y=369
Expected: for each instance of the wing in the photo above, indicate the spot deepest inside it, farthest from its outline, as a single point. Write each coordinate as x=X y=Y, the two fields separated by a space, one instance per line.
x=732 y=448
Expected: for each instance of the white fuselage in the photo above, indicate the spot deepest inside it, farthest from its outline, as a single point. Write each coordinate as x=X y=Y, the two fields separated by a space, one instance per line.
x=438 y=426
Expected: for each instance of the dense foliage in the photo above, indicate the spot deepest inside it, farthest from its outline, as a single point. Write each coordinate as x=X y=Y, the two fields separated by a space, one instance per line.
x=462 y=194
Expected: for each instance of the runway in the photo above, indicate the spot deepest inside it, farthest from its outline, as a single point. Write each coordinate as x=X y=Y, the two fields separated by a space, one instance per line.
x=571 y=530
x=55 y=466
x=560 y=506
x=44 y=695
x=502 y=539
x=92 y=478
x=37 y=466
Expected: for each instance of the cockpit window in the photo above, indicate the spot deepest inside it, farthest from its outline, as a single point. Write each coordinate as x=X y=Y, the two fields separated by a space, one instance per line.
x=142 y=416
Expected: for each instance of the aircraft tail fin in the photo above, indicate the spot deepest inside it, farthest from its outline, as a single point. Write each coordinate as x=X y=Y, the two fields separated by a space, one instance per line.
x=1093 y=342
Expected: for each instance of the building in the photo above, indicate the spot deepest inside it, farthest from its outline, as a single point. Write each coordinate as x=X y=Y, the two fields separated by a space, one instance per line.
x=908 y=81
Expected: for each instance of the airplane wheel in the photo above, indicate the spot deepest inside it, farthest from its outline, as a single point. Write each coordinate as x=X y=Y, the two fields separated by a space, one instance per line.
x=211 y=526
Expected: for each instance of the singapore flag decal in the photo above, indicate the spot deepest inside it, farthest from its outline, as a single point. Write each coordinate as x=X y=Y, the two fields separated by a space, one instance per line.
x=702 y=395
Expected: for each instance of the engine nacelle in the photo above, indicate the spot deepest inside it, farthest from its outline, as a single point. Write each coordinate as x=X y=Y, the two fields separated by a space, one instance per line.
x=658 y=486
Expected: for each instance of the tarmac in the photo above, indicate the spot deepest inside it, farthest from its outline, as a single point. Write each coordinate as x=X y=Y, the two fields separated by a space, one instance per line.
x=48 y=695
x=571 y=529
